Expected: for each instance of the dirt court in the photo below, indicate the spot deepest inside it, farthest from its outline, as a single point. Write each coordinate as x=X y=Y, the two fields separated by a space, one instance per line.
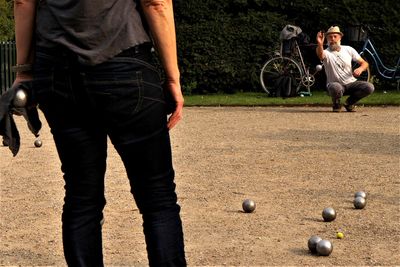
x=292 y=161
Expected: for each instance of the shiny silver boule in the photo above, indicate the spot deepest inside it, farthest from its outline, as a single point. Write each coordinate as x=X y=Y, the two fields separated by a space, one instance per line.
x=248 y=205
x=312 y=243
x=329 y=214
x=361 y=194
x=359 y=202
x=20 y=98
x=324 y=248
x=318 y=67
x=38 y=143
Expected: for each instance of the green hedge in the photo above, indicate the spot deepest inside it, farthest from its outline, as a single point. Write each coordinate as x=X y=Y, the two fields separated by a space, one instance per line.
x=6 y=20
x=220 y=49
x=223 y=44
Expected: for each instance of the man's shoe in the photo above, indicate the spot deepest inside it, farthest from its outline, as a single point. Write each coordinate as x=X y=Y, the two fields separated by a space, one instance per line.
x=350 y=107
x=336 y=107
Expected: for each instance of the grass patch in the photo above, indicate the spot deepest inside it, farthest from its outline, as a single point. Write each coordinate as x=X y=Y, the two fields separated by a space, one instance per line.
x=391 y=98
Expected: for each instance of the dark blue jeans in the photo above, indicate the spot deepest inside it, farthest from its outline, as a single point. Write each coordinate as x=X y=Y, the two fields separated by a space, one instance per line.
x=122 y=99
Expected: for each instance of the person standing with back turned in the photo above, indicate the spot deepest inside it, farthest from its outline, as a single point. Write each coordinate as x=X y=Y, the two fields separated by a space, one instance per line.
x=93 y=78
x=337 y=60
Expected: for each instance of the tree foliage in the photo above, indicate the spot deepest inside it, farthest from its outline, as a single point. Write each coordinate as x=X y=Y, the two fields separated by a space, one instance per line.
x=6 y=20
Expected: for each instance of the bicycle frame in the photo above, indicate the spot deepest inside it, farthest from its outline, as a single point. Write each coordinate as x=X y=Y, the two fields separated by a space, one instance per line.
x=383 y=71
x=291 y=66
x=302 y=65
x=306 y=79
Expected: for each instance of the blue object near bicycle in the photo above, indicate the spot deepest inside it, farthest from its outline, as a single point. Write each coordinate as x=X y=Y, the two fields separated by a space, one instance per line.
x=371 y=55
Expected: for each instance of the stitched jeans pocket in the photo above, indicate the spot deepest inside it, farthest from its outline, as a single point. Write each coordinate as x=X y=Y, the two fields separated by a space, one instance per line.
x=116 y=96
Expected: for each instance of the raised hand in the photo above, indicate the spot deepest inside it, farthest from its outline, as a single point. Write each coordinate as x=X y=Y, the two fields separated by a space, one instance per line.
x=320 y=38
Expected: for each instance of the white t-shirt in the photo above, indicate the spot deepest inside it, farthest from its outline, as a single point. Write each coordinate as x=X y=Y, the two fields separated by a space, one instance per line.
x=338 y=65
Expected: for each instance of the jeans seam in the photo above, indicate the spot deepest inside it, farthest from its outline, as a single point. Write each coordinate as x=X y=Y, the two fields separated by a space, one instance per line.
x=140 y=86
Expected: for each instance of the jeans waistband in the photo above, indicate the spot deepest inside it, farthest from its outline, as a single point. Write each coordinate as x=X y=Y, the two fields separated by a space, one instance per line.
x=134 y=50
x=60 y=51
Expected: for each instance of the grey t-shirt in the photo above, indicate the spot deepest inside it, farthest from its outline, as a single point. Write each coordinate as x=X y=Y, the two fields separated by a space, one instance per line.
x=96 y=30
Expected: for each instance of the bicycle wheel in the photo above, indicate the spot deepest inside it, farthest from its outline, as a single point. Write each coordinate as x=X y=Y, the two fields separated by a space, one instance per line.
x=276 y=68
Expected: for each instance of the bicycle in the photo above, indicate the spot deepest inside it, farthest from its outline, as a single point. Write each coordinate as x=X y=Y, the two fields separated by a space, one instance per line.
x=290 y=66
x=369 y=53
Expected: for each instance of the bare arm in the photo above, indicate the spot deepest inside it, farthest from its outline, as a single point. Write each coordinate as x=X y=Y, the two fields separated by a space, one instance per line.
x=24 y=15
x=160 y=18
x=363 y=66
x=320 y=45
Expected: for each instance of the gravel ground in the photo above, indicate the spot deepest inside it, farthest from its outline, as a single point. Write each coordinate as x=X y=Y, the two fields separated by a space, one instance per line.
x=292 y=162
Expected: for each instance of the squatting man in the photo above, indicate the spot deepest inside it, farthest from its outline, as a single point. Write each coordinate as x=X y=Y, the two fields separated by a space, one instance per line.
x=341 y=78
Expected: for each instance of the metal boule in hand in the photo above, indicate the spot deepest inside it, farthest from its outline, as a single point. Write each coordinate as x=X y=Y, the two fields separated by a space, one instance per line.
x=20 y=98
